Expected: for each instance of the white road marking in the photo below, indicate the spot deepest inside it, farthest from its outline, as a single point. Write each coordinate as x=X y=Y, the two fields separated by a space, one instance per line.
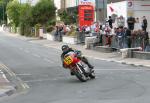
x=36 y=55
x=40 y=80
x=52 y=46
x=7 y=69
x=23 y=74
x=27 y=51
x=2 y=73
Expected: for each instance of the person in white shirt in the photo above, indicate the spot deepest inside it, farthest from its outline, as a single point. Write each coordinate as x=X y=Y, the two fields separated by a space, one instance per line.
x=137 y=24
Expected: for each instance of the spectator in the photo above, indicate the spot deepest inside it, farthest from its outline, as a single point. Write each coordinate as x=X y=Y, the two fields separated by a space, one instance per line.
x=108 y=34
x=144 y=23
x=146 y=41
x=57 y=32
x=110 y=21
x=137 y=24
x=127 y=37
x=93 y=28
x=121 y=21
x=115 y=24
x=87 y=29
x=68 y=28
x=60 y=32
x=130 y=22
x=120 y=36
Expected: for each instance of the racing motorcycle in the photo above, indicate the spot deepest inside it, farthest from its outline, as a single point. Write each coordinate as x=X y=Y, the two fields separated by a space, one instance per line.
x=78 y=67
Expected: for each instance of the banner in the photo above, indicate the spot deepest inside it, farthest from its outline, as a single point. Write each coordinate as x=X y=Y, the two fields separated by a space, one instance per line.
x=87 y=2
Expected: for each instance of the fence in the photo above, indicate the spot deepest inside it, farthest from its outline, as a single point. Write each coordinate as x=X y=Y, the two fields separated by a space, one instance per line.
x=113 y=41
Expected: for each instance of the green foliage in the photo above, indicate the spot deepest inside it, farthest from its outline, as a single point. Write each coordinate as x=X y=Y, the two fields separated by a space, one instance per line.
x=37 y=27
x=72 y=32
x=26 y=19
x=51 y=22
x=44 y=11
x=26 y=16
x=49 y=29
x=67 y=18
x=13 y=12
x=3 y=16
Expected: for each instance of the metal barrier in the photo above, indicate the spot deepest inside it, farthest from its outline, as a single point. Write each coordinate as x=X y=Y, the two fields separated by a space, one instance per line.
x=132 y=41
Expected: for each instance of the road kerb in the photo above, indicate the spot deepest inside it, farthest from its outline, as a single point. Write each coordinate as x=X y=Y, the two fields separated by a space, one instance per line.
x=12 y=87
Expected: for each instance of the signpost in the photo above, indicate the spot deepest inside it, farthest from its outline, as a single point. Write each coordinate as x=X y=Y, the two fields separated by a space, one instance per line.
x=86 y=12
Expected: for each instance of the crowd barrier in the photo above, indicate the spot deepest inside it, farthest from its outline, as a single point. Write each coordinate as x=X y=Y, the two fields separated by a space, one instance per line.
x=115 y=42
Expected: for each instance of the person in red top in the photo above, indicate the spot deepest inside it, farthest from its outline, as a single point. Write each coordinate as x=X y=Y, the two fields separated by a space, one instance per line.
x=108 y=34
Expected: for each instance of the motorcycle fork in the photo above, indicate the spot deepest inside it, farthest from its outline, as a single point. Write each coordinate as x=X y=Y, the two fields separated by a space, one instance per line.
x=81 y=69
x=78 y=67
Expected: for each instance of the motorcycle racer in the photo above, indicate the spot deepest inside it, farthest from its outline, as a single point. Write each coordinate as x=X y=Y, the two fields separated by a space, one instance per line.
x=66 y=49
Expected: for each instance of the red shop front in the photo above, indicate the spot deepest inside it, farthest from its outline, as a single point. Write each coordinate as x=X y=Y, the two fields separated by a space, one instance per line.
x=86 y=15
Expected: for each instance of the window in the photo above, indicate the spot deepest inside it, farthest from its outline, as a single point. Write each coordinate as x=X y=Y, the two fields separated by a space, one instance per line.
x=87 y=11
x=88 y=19
x=88 y=15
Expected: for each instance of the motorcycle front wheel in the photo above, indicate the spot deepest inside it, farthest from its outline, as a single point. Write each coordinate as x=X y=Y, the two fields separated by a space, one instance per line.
x=80 y=76
x=92 y=75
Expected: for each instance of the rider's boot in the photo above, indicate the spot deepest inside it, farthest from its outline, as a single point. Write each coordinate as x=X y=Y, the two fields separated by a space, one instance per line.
x=91 y=67
x=87 y=62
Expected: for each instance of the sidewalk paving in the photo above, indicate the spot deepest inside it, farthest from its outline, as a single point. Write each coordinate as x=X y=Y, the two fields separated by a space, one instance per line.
x=112 y=57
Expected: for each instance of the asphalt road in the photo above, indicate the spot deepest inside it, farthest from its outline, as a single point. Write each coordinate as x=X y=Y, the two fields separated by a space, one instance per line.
x=40 y=67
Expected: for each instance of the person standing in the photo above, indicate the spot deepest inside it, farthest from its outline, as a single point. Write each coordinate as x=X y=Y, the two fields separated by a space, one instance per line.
x=127 y=37
x=121 y=21
x=110 y=21
x=108 y=34
x=144 y=23
x=120 y=37
x=137 y=24
x=130 y=22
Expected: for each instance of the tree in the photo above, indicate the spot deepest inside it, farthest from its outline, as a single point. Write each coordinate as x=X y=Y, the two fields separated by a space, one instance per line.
x=68 y=18
x=13 y=12
x=25 y=19
x=3 y=16
x=44 y=11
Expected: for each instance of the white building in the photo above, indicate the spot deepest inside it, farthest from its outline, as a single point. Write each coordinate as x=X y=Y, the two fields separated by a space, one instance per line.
x=57 y=4
x=133 y=8
x=71 y=3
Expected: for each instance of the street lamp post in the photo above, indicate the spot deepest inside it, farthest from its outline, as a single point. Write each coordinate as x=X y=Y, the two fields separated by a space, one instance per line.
x=103 y=10
x=3 y=13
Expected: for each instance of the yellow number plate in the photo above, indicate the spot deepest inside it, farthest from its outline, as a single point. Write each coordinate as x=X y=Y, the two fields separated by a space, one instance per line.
x=68 y=60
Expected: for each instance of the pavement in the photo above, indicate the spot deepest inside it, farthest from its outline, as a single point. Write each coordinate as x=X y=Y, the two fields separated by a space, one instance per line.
x=6 y=88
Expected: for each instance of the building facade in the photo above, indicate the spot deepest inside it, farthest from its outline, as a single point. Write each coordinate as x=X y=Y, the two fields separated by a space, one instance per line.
x=100 y=7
